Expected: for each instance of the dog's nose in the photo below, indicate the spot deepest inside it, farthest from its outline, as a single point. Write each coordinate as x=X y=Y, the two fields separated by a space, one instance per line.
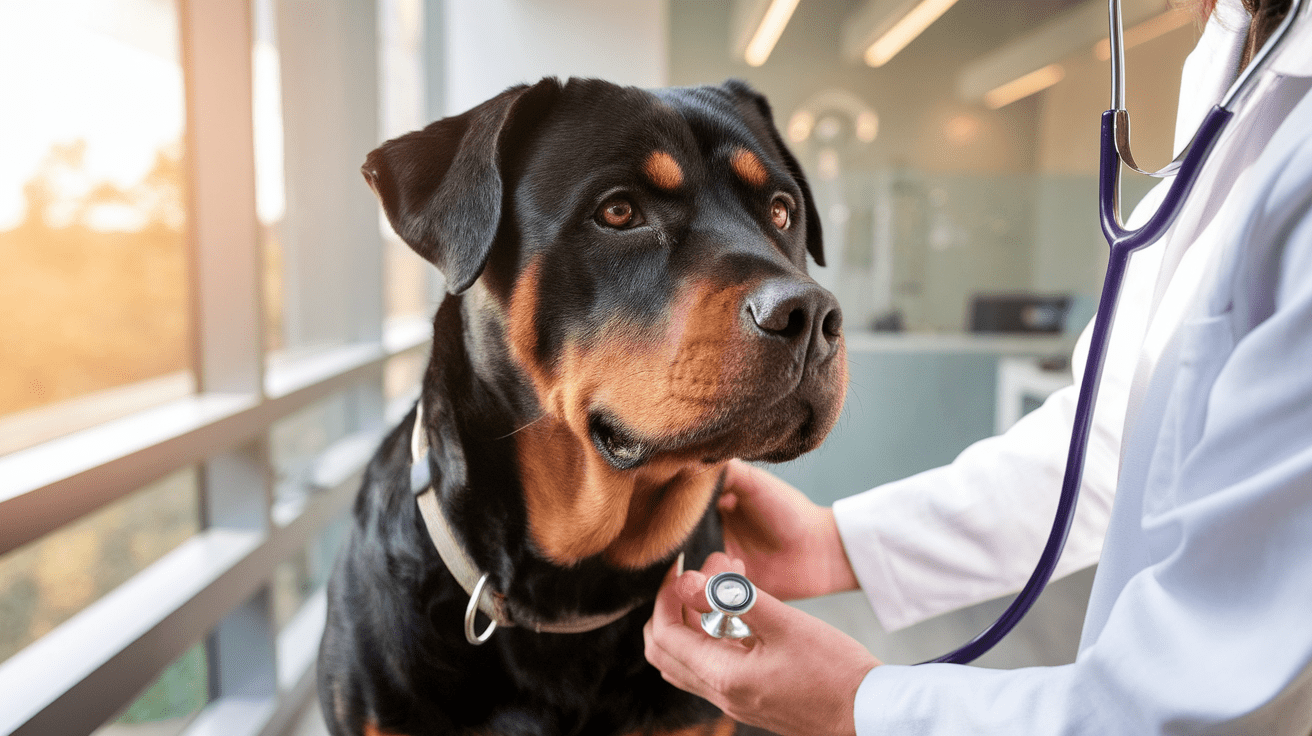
x=800 y=312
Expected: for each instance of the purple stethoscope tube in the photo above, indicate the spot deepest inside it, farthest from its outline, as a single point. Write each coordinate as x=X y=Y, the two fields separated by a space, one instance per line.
x=1123 y=242
x=1115 y=148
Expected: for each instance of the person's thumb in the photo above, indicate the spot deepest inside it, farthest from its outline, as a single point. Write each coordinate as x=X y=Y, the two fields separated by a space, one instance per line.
x=770 y=618
x=691 y=586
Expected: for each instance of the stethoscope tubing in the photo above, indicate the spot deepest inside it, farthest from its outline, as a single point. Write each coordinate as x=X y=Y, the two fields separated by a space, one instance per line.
x=1123 y=243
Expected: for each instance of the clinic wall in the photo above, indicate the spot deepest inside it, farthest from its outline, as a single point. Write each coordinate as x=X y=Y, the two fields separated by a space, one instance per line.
x=489 y=45
x=905 y=412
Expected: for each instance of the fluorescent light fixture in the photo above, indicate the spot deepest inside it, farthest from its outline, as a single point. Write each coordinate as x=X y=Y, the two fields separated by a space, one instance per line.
x=767 y=34
x=1146 y=31
x=905 y=31
x=1017 y=89
x=1072 y=32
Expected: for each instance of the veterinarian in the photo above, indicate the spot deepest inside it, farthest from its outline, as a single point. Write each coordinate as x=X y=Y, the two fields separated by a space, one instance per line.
x=1199 y=616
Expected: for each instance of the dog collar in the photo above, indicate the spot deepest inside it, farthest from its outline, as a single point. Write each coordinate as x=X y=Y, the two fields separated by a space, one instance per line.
x=475 y=582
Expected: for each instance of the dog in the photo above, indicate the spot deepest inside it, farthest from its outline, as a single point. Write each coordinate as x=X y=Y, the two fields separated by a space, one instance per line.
x=628 y=308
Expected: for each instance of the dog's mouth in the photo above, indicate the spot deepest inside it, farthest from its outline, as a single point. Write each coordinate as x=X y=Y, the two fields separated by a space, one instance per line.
x=773 y=437
x=621 y=450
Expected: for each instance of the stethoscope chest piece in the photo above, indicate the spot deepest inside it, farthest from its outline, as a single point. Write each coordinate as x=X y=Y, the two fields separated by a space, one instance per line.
x=731 y=595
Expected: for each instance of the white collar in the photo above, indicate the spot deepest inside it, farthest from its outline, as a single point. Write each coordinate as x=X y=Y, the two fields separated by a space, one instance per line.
x=466 y=572
x=1295 y=59
x=1210 y=68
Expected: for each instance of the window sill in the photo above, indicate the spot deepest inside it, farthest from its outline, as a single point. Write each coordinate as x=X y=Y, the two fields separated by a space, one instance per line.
x=53 y=483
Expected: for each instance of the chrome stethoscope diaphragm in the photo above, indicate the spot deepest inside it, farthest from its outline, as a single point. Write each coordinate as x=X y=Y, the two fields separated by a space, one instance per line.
x=731 y=595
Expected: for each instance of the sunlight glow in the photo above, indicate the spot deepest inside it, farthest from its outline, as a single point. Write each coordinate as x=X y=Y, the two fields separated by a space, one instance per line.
x=77 y=71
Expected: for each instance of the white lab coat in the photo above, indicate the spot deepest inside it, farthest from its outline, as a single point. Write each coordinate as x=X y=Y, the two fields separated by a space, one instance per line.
x=971 y=531
x=1200 y=619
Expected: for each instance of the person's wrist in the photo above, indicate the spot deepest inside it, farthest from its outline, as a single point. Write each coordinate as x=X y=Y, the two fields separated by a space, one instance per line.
x=847 y=721
x=841 y=577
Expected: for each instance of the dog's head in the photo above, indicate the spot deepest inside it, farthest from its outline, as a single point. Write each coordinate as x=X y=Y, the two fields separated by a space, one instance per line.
x=643 y=256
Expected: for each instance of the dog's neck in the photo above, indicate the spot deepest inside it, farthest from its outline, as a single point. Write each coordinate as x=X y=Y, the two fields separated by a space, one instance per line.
x=574 y=504
x=579 y=506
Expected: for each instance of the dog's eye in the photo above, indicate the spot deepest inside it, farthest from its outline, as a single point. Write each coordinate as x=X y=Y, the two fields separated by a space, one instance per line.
x=780 y=213
x=618 y=212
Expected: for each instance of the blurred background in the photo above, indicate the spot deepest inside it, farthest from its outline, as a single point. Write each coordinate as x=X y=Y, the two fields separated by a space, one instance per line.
x=205 y=325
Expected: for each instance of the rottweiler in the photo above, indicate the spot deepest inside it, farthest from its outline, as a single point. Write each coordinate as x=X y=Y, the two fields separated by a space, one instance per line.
x=628 y=308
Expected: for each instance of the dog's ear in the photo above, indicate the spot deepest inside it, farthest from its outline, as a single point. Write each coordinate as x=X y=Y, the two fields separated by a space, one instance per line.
x=442 y=186
x=744 y=94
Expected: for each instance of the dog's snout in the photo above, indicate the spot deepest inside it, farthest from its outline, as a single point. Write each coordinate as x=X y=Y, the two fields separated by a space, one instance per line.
x=800 y=312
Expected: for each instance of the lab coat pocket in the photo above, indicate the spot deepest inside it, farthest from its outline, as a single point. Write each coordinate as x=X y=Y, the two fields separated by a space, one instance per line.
x=1205 y=345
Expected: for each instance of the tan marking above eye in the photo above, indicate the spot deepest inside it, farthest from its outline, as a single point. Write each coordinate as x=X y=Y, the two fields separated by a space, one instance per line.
x=663 y=170
x=779 y=213
x=747 y=166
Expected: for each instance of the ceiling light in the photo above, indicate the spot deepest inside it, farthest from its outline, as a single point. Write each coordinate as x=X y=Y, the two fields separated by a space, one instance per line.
x=1025 y=86
x=799 y=127
x=905 y=31
x=768 y=33
x=1146 y=31
x=961 y=130
x=867 y=126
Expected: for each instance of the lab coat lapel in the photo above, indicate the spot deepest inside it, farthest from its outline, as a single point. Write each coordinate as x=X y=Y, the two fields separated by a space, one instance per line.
x=1190 y=247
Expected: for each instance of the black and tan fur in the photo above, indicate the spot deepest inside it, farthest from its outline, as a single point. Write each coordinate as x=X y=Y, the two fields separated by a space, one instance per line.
x=628 y=309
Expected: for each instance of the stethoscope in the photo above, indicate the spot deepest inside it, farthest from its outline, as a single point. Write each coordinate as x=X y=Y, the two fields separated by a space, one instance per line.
x=728 y=592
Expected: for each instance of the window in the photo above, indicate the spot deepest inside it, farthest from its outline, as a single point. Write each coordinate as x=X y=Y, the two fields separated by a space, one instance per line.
x=94 y=292
x=206 y=362
x=45 y=582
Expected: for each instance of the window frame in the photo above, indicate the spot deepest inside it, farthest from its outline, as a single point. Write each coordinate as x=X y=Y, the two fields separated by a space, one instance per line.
x=214 y=587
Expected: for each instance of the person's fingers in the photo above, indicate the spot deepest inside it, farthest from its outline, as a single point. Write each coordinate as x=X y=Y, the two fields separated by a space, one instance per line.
x=691 y=586
x=770 y=618
x=669 y=603
x=741 y=479
x=691 y=591
x=681 y=650
x=791 y=675
x=750 y=518
x=730 y=495
x=718 y=562
x=728 y=502
x=671 y=667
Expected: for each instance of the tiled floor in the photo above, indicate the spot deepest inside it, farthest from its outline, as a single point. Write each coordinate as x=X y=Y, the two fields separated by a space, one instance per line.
x=1048 y=636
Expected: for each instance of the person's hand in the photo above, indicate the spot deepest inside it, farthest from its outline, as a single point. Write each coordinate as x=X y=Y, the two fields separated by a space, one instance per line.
x=790 y=545
x=794 y=675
